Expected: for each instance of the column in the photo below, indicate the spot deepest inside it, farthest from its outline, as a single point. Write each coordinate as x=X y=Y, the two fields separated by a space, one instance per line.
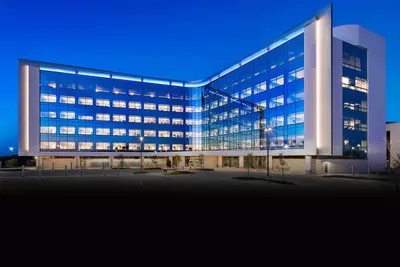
x=219 y=161
x=241 y=161
x=38 y=161
x=110 y=161
x=77 y=162
x=308 y=164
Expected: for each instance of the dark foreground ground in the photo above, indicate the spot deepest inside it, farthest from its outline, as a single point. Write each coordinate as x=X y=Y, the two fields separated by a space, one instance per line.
x=200 y=189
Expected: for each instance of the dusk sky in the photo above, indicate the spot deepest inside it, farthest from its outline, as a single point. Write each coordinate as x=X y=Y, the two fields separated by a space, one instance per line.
x=177 y=39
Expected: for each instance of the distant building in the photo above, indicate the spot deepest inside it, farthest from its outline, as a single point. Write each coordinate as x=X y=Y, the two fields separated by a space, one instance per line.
x=316 y=95
x=393 y=142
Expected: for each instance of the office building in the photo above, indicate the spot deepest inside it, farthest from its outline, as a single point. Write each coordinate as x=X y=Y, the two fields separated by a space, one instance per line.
x=315 y=95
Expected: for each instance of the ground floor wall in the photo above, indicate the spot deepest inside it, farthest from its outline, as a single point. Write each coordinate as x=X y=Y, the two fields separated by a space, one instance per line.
x=297 y=164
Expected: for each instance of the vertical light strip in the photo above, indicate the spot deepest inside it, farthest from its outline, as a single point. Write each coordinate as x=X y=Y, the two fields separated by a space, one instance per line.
x=26 y=132
x=318 y=81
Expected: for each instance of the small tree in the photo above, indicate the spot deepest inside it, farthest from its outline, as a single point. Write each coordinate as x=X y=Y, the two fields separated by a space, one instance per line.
x=201 y=159
x=12 y=163
x=169 y=163
x=283 y=166
x=176 y=159
x=249 y=160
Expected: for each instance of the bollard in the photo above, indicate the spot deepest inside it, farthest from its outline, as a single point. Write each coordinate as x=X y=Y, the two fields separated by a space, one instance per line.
x=104 y=171
x=40 y=172
x=352 y=169
x=23 y=171
x=81 y=170
x=65 y=170
x=42 y=166
x=84 y=165
x=118 y=169
x=52 y=165
x=71 y=165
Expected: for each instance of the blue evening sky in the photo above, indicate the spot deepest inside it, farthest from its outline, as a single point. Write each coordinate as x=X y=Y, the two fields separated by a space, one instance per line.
x=177 y=39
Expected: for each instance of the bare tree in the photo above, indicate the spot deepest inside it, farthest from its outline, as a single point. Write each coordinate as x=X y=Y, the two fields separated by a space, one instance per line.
x=282 y=166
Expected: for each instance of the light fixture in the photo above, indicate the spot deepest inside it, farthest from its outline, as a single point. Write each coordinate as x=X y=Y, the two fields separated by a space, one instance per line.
x=11 y=149
x=286 y=146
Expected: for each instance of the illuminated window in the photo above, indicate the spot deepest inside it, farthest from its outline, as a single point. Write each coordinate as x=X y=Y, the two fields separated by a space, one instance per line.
x=234 y=113
x=85 y=130
x=149 y=106
x=295 y=118
x=235 y=95
x=276 y=101
x=163 y=121
x=275 y=82
x=67 y=130
x=188 y=147
x=102 y=117
x=151 y=133
x=102 y=146
x=177 y=134
x=50 y=114
x=135 y=119
x=134 y=92
x=87 y=118
x=223 y=116
x=118 y=91
x=277 y=121
x=119 y=132
x=214 y=104
x=85 y=101
x=85 y=145
x=119 y=104
x=259 y=124
x=134 y=146
x=223 y=101
x=149 y=120
x=189 y=122
x=177 y=108
x=234 y=129
x=67 y=99
x=163 y=107
x=177 y=121
x=151 y=94
x=223 y=130
x=135 y=132
x=69 y=115
x=48 y=129
x=103 y=102
x=296 y=74
x=67 y=145
x=150 y=147
x=48 y=98
x=260 y=105
x=102 y=131
x=164 y=147
x=135 y=105
x=177 y=147
x=119 y=117
x=245 y=93
x=119 y=146
x=189 y=109
x=345 y=81
x=163 y=134
x=48 y=145
x=361 y=84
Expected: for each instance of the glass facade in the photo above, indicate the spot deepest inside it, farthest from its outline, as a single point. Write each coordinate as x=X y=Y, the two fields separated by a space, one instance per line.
x=355 y=101
x=267 y=92
x=83 y=113
x=88 y=111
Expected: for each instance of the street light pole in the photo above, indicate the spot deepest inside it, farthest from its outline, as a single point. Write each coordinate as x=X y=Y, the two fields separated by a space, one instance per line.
x=141 y=153
x=268 y=132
